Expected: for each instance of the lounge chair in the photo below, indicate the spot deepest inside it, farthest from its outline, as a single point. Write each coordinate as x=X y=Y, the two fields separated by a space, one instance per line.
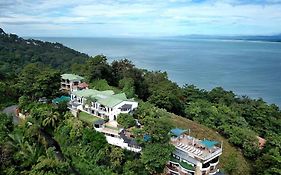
x=192 y=149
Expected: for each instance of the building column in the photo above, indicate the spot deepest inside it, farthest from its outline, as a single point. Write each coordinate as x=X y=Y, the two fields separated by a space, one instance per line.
x=198 y=169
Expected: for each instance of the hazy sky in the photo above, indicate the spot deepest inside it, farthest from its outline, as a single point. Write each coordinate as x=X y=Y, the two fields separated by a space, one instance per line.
x=82 y=18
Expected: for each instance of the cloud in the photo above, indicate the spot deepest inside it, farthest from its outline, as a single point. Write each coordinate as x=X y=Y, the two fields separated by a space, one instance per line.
x=142 y=17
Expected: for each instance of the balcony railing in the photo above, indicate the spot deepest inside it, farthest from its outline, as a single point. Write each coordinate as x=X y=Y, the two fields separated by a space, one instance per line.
x=214 y=171
x=217 y=152
x=172 y=169
x=202 y=156
x=214 y=164
x=183 y=165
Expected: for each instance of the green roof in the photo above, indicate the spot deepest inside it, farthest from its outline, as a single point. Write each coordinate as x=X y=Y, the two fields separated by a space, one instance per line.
x=71 y=77
x=61 y=99
x=106 y=98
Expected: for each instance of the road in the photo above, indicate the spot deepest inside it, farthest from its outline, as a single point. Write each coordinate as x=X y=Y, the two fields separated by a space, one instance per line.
x=11 y=111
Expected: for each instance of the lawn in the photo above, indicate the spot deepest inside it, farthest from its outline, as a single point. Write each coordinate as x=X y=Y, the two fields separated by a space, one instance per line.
x=201 y=132
x=85 y=117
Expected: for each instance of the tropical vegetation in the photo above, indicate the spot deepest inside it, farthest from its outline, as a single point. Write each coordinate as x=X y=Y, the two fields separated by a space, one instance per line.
x=52 y=141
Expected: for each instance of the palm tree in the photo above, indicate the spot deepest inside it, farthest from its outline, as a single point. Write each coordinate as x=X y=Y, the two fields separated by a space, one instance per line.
x=27 y=152
x=51 y=119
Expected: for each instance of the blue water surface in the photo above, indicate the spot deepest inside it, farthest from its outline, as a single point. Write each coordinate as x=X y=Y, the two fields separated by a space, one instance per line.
x=247 y=68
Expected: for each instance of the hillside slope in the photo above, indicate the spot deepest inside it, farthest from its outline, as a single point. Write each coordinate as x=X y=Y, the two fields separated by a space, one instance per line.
x=16 y=52
x=231 y=155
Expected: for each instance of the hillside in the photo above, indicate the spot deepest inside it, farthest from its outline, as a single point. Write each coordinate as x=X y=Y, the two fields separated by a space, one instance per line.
x=238 y=119
x=231 y=156
x=16 y=52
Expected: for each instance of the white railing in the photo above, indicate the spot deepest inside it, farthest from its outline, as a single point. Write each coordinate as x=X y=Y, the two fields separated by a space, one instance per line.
x=214 y=164
x=170 y=170
x=191 y=154
x=217 y=152
x=212 y=173
x=181 y=167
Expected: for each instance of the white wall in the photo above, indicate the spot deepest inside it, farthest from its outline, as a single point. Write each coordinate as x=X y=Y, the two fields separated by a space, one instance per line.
x=119 y=142
x=116 y=111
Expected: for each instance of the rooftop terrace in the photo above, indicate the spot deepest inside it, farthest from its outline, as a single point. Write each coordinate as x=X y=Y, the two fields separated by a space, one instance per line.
x=201 y=149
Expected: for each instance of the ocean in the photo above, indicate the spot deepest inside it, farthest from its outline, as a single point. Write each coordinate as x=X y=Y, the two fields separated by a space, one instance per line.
x=245 y=67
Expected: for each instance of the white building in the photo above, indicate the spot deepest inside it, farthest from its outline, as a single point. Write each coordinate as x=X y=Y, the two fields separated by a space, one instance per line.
x=107 y=106
x=193 y=156
x=118 y=137
x=69 y=82
x=104 y=104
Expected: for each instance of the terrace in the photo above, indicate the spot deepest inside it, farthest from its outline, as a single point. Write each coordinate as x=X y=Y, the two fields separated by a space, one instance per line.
x=202 y=149
x=182 y=164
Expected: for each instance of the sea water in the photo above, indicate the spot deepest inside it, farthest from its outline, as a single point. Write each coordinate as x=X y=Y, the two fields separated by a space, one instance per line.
x=246 y=68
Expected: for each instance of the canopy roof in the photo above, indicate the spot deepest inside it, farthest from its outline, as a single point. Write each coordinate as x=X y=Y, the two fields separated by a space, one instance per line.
x=71 y=77
x=177 y=131
x=106 y=98
x=146 y=138
x=209 y=143
x=61 y=99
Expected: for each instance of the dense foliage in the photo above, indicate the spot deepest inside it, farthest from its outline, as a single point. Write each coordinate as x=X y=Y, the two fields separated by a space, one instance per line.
x=16 y=52
x=30 y=69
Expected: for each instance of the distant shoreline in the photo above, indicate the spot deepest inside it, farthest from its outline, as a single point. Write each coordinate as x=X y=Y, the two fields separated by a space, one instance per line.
x=186 y=38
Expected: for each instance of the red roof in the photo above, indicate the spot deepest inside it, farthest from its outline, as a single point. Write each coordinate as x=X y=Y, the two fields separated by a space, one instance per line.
x=83 y=85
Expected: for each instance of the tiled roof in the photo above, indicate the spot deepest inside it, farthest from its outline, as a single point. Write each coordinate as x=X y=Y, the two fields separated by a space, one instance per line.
x=83 y=85
x=71 y=77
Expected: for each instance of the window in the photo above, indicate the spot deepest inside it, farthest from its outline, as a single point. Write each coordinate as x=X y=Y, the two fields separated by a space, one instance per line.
x=206 y=165
x=214 y=160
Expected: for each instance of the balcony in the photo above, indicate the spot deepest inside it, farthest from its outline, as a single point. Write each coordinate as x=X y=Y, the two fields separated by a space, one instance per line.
x=213 y=172
x=214 y=164
x=183 y=165
x=195 y=149
x=172 y=169
x=205 y=169
x=102 y=111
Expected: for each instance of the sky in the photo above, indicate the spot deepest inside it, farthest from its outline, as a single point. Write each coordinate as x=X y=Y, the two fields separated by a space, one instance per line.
x=107 y=18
